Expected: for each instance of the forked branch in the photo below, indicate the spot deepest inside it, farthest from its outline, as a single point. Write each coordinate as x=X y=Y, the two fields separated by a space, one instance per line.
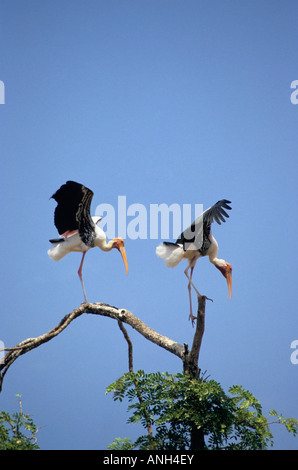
x=190 y=359
x=121 y=315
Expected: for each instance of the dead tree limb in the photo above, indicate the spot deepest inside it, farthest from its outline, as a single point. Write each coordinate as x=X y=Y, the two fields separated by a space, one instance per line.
x=129 y=344
x=130 y=368
x=121 y=315
x=191 y=365
x=189 y=358
x=192 y=357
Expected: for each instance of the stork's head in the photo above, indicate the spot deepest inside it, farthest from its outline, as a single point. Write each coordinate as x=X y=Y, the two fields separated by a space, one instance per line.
x=119 y=244
x=226 y=270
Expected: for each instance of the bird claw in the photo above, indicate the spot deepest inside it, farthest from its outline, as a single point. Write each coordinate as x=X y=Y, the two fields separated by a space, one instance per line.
x=192 y=318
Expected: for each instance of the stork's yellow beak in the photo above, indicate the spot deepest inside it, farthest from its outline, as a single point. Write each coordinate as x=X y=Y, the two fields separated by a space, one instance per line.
x=119 y=244
x=123 y=254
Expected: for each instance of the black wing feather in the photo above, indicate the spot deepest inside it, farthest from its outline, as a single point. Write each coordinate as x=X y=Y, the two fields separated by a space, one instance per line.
x=197 y=235
x=73 y=210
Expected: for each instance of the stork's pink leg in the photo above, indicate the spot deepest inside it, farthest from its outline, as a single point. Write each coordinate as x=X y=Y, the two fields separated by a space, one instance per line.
x=190 y=279
x=69 y=233
x=191 y=316
x=190 y=283
x=81 y=277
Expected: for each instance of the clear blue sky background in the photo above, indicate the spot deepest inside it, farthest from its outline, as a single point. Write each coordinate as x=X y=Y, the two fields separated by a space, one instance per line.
x=163 y=102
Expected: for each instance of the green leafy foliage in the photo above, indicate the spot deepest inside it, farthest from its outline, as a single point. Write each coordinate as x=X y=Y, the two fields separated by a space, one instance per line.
x=175 y=404
x=17 y=431
x=121 y=444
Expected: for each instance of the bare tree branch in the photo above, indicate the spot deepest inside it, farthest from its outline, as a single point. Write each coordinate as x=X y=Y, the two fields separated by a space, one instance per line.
x=129 y=344
x=127 y=317
x=191 y=357
x=200 y=328
x=121 y=315
x=191 y=366
x=130 y=367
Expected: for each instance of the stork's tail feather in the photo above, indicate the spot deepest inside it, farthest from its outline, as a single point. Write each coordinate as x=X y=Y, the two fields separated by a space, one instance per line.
x=58 y=250
x=171 y=253
x=56 y=240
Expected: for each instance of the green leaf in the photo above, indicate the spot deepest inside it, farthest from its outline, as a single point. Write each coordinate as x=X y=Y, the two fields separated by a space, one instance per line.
x=176 y=404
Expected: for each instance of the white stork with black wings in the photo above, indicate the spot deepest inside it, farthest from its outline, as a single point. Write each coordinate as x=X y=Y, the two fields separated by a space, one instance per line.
x=197 y=241
x=77 y=229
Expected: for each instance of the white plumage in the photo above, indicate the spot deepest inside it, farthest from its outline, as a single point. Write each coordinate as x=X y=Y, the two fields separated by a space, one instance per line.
x=78 y=231
x=197 y=241
x=171 y=254
x=75 y=243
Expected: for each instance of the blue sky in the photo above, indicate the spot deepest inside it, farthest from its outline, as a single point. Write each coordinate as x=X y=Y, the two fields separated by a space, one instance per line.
x=163 y=102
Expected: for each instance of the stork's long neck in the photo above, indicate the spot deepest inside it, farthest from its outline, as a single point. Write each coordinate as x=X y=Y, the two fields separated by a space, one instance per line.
x=101 y=240
x=218 y=263
x=103 y=245
x=212 y=252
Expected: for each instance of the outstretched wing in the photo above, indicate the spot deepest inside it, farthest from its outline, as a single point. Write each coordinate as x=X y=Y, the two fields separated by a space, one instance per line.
x=196 y=237
x=73 y=209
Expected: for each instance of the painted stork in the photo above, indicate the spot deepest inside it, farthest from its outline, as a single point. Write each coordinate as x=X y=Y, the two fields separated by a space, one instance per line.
x=77 y=230
x=197 y=241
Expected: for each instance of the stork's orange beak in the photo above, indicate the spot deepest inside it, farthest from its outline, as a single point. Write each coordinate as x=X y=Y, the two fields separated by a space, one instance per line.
x=123 y=254
x=229 y=282
x=119 y=244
